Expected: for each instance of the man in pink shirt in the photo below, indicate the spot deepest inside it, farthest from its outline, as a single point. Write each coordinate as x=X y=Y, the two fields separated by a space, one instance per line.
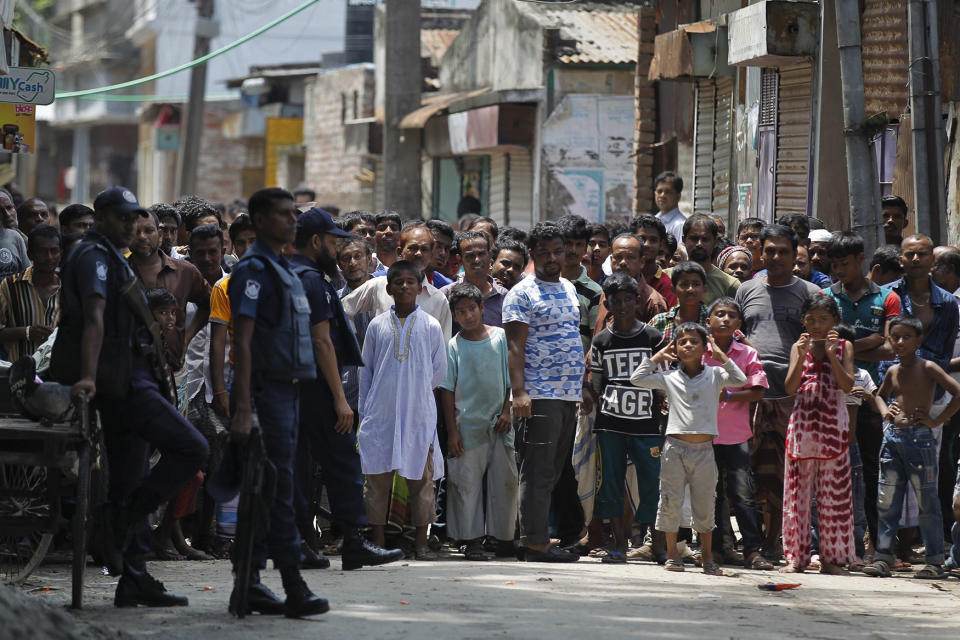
x=731 y=447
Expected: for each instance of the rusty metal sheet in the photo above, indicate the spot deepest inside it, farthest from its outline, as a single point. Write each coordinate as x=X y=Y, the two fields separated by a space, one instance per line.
x=886 y=57
x=434 y=105
x=672 y=56
x=435 y=42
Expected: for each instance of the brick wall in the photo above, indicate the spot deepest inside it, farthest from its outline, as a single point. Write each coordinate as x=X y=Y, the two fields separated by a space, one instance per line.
x=336 y=145
x=221 y=162
x=645 y=102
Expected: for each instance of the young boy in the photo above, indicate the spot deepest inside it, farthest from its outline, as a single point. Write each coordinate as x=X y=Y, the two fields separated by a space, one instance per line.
x=476 y=409
x=626 y=423
x=405 y=360
x=687 y=459
x=909 y=452
x=163 y=306
x=748 y=237
x=731 y=449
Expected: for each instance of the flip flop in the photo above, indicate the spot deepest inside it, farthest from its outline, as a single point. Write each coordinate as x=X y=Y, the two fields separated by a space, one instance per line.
x=673 y=565
x=931 y=572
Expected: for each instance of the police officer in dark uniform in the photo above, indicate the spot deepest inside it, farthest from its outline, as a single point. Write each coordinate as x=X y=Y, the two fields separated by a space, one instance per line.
x=272 y=354
x=326 y=420
x=102 y=349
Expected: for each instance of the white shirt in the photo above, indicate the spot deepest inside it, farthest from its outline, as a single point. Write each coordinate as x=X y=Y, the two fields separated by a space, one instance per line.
x=694 y=402
x=196 y=360
x=372 y=296
x=673 y=220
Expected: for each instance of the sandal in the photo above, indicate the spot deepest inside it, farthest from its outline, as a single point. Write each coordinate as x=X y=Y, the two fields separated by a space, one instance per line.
x=673 y=564
x=932 y=572
x=712 y=569
x=644 y=552
x=878 y=569
x=614 y=557
x=758 y=563
x=425 y=554
x=474 y=551
x=901 y=567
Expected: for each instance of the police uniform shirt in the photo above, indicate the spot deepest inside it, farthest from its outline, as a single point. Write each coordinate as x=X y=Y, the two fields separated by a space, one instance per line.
x=253 y=293
x=322 y=297
x=624 y=408
x=88 y=275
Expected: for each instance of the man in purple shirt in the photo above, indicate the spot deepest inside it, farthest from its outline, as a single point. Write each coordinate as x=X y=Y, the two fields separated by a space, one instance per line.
x=474 y=248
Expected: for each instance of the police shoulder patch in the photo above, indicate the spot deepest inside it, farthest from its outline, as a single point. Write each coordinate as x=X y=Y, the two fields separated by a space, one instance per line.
x=101 y=271
x=252 y=289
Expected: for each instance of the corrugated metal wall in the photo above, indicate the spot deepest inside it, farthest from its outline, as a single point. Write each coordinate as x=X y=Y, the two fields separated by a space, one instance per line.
x=886 y=56
x=793 y=139
x=723 y=149
x=520 y=192
x=703 y=134
x=497 y=199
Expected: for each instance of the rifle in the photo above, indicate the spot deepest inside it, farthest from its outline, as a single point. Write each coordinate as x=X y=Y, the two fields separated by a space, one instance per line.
x=136 y=298
x=257 y=486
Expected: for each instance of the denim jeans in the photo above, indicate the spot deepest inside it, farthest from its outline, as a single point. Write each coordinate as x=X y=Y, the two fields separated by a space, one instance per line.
x=909 y=454
x=733 y=466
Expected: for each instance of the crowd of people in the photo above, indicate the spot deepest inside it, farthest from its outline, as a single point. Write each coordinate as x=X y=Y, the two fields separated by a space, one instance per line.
x=623 y=390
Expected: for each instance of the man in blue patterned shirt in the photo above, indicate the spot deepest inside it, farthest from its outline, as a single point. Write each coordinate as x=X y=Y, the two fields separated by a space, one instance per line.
x=541 y=316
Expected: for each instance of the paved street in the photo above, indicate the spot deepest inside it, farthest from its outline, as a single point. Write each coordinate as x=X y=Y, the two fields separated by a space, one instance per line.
x=507 y=599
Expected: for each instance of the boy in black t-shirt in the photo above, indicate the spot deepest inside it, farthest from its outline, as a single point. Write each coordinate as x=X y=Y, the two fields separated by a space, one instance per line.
x=626 y=423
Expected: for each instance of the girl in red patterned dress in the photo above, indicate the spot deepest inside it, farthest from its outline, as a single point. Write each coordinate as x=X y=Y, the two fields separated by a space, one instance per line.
x=821 y=375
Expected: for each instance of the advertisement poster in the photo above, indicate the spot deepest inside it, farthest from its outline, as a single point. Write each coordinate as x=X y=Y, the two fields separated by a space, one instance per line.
x=584 y=191
x=17 y=128
x=744 y=195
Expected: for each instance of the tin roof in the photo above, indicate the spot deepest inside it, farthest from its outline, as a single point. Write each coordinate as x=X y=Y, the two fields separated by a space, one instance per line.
x=598 y=36
x=435 y=42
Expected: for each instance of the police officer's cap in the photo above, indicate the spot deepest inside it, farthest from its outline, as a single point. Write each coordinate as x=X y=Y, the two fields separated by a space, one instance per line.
x=120 y=199
x=316 y=221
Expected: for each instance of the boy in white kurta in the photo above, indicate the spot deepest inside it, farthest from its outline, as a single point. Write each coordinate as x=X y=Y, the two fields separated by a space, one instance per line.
x=406 y=358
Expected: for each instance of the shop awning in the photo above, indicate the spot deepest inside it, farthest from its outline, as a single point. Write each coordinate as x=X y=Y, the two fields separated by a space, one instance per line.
x=696 y=50
x=434 y=105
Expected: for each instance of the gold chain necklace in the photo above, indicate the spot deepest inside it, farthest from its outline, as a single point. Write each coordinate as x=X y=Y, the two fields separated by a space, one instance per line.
x=398 y=354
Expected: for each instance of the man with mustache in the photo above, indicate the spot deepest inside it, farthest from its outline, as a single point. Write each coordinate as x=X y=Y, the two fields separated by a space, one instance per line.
x=700 y=235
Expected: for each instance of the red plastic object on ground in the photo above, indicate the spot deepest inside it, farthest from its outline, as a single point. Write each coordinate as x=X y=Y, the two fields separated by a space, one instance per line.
x=771 y=586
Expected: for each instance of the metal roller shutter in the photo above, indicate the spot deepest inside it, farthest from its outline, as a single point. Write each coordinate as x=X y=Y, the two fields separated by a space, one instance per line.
x=793 y=139
x=520 y=190
x=703 y=134
x=723 y=149
x=497 y=201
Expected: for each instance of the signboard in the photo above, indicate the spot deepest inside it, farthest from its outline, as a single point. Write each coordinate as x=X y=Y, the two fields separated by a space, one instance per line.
x=27 y=85
x=17 y=128
x=744 y=196
x=281 y=132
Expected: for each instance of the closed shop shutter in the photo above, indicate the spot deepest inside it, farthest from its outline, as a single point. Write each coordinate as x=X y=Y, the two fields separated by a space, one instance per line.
x=520 y=192
x=379 y=183
x=722 y=149
x=703 y=134
x=497 y=200
x=793 y=139
x=767 y=145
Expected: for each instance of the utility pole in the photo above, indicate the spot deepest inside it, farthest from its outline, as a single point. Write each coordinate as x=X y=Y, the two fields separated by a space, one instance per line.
x=191 y=131
x=861 y=165
x=929 y=194
x=403 y=82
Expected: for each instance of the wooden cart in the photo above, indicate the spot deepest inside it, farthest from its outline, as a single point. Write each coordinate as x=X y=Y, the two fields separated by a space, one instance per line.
x=42 y=466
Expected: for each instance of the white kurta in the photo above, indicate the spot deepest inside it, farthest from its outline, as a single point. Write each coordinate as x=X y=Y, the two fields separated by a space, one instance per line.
x=398 y=413
x=372 y=296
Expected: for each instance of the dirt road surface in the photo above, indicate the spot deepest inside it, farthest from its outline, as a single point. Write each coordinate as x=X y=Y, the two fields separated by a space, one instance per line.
x=457 y=599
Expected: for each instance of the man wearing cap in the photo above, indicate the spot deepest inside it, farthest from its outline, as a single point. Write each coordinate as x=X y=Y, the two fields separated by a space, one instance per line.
x=272 y=355
x=326 y=419
x=819 y=246
x=101 y=351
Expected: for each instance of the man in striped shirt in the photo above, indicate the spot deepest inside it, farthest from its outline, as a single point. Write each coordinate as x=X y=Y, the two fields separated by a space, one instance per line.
x=30 y=300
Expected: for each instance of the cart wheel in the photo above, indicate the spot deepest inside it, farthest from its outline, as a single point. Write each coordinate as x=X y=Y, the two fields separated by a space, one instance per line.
x=80 y=525
x=24 y=520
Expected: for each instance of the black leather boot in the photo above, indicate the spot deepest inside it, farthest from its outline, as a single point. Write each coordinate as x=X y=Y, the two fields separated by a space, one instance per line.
x=119 y=529
x=137 y=587
x=300 y=602
x=260 y=599
x=358 y=551
x=310 y=559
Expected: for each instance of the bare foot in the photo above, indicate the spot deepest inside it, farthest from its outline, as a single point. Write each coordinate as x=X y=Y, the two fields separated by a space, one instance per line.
x=832 y=569
x=790 y=569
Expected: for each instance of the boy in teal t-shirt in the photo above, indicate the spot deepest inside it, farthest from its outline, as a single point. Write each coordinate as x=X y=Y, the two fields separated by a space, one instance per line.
x=476 y=408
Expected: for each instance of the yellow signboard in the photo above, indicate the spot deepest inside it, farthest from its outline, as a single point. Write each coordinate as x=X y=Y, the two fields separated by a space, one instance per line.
x=17 y=128
x=281 y=132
